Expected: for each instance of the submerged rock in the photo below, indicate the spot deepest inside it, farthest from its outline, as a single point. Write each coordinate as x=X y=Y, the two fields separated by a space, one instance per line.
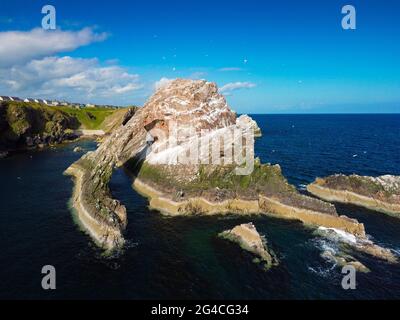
x=380 y=194
x=249 y=239
x=78 y=149
x=3 y=154
x=342 y=260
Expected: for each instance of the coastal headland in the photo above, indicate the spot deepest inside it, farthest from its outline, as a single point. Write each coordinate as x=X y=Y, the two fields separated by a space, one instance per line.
x=31 y=125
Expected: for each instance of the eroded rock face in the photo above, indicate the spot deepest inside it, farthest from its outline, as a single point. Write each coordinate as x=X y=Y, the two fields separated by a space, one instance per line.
x=188 y=103
x=376 y=193
x=247 y=236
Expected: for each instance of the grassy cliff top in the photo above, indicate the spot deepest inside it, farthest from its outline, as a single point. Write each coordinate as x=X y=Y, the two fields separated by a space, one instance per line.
x=87 y=118
x=21 y=122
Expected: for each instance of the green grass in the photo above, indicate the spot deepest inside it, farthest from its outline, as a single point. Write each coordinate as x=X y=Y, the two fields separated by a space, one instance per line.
x=90 y=118
x=263 y=178
x=35 y=117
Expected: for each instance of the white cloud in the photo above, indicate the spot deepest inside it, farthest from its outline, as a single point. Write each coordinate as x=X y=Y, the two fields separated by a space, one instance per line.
x=230 y=69
x=198 y=75
x=18 y=47
x=69 y=78
x=228 y=88
x=162 y=83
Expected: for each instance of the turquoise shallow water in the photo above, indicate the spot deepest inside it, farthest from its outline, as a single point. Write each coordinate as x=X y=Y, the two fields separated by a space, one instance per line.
x=182 y=257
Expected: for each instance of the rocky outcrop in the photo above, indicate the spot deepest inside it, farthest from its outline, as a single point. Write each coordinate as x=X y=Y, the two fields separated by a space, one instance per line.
x=157 y=145
x=380 y=194
x=249 y=239
x=348 y=243
x=118 y=118
x=341 y=260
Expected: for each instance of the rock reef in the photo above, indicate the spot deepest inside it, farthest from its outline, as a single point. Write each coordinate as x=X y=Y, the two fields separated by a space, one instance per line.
x=380 y=194
x=349 y=244
x=342 y=260
x=247 y=236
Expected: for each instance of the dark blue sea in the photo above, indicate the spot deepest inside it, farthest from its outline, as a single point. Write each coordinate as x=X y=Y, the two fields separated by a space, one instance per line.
x=181 y=258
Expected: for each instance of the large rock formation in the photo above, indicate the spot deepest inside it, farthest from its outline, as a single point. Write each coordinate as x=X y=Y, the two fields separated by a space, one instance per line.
x=190 y=104
x=189 y=154
x=380 y=194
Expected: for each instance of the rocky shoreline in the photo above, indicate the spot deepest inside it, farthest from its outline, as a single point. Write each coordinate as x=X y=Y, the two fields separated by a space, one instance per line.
x=31 y=126
x=366 y=192
x=164 y=203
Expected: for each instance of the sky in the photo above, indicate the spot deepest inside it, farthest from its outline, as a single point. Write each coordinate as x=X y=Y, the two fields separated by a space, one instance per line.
x=266 y=56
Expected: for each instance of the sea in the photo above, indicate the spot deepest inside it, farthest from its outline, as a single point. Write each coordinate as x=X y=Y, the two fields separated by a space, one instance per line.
x=182 y=257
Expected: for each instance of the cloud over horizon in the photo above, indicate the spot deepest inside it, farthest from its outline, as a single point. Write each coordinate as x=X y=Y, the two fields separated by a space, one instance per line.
x=67 y=77
x=33 y=64
x=233 y=86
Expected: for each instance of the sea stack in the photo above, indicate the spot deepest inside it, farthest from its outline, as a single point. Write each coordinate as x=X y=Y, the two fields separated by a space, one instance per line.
x=156 y=144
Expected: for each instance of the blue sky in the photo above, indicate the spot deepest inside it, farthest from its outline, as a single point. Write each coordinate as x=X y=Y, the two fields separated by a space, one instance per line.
x=268 y=56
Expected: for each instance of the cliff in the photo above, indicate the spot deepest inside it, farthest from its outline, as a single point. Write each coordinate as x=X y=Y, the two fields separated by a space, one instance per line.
x=32 y=125
x=380 y=194
x=23 y=125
